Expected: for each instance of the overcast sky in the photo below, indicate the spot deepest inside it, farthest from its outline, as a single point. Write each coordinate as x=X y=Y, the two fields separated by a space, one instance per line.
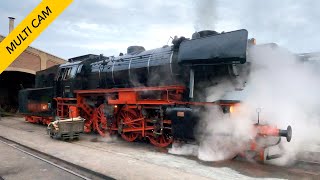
x=108 y=27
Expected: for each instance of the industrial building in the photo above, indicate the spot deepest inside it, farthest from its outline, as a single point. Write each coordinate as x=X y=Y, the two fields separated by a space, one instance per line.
x=21 y=73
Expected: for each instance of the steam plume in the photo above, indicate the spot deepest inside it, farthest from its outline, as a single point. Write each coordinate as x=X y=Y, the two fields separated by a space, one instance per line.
x=286 y=89
x=204 y=14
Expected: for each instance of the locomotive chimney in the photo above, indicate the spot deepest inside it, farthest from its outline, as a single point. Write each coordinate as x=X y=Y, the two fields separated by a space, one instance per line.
x=11 y=24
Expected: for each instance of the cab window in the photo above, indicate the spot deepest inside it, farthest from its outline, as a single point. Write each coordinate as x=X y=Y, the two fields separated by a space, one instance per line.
x=79 y=68
x=73 y=71
x=61 y=74
x=67 y=73
x=70 y=72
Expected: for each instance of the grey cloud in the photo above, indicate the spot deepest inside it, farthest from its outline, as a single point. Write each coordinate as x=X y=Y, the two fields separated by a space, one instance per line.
x=293 y=24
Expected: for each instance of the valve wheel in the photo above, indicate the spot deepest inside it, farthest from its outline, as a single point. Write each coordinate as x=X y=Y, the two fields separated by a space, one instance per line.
x=124 y=120
x=100 y=120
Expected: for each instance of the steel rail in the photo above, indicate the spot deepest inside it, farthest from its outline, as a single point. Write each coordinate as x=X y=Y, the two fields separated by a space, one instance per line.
x=45 y=160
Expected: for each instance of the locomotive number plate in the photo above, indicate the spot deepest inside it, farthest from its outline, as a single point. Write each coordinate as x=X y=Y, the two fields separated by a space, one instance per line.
x=180 y=114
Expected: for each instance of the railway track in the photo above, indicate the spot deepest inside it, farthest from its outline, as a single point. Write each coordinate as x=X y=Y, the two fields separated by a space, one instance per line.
x=75 y=170
x=301 y=168
x=299 y=162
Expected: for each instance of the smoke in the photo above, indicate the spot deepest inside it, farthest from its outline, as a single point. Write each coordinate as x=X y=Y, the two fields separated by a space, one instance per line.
x=214 y=93
x=287 y=91
x=222 y=136
x=108 y=139
x=204 y=14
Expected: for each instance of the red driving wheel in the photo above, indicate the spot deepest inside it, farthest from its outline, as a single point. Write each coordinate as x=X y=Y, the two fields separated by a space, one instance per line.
x=100 y=120
x=128 y=119
x=163 y=140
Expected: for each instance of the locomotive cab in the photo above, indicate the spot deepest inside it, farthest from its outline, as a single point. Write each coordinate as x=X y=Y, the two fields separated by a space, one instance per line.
x=67 y=80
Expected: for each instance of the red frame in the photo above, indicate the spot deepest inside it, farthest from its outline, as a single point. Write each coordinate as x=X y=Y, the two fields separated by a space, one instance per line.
x=39 y=119
x=129 y=98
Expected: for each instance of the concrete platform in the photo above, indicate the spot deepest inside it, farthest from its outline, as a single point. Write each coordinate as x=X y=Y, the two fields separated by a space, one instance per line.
x=122 y=160
x=17 y=165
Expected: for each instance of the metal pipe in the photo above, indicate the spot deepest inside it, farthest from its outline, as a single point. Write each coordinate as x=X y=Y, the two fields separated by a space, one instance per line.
x=266 y=130
x=191 y=83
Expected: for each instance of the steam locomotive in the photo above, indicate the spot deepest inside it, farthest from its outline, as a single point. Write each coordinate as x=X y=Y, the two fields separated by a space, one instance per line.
x=156 y=95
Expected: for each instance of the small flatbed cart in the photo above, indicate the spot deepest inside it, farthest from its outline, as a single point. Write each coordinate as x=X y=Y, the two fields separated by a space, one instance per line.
x=66 y=129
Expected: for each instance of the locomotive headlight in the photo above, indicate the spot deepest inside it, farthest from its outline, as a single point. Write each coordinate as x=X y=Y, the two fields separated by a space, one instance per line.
x=231 y=109
x=44 y=106
x=234 y=108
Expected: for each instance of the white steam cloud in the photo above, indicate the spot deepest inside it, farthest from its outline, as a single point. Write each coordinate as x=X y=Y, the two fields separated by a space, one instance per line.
x=222 y=136
x=286 y=89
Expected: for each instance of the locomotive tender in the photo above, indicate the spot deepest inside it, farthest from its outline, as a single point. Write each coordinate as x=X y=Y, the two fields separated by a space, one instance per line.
x=155 y=94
